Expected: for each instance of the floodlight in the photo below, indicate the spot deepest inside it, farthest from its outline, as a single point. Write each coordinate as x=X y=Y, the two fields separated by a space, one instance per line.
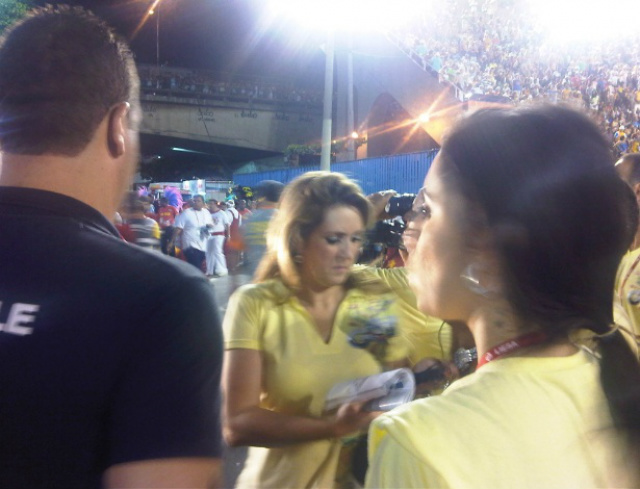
x=352 y=15
x=571 y=21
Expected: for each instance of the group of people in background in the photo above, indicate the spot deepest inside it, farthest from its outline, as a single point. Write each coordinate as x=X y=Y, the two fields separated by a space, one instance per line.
x=495 y=50
x=214 y=236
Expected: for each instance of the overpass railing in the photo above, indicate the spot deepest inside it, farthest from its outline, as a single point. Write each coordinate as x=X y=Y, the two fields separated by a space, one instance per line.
x=204 y=85
x=402 y=173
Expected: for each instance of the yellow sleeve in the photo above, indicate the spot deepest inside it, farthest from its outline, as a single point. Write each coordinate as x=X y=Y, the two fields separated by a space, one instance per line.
x=156 y=230
x=241 y=325
x=428 y=337
x=397 y=280
x=624 y=313
x=392 y=466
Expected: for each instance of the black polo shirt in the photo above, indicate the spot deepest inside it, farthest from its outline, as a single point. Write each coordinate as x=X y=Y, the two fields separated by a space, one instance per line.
x=108 y=353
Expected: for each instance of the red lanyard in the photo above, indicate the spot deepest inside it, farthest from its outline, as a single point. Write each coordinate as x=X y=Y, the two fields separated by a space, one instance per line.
x=512 y=345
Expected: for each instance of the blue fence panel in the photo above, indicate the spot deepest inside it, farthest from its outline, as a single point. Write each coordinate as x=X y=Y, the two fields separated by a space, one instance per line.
x=402 y=173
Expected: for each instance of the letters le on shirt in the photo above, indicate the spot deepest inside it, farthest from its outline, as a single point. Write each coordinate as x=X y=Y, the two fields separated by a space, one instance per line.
x=19 y=316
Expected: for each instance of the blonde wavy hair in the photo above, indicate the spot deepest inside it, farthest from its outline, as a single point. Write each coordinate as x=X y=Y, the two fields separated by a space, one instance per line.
x=303 y=205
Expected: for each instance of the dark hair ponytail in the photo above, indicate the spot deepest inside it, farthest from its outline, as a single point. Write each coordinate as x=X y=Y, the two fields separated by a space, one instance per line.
x=620 y=377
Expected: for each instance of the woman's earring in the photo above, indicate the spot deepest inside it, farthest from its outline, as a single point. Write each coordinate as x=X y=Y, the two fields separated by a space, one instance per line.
x=470 y=279
x=297 y=258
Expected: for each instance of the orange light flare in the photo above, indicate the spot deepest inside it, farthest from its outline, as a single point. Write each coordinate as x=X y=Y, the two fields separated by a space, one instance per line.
x=150 y=11
x=417 y=123
x=431 y=113
x=407 y=137
x=430 y=116
x=384 y=128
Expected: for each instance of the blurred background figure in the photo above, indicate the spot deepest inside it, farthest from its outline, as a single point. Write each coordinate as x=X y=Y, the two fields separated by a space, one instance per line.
x=234 y=245
x=254 y=231
x=166 y=219
x=216 y=261
x=193 y=227
x=243 y=210
x=628 y=167
x=627 y=296
x=136 y=227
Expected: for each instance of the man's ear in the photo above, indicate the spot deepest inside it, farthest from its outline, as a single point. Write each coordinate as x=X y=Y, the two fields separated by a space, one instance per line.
x=636 y=191
x=117 y=129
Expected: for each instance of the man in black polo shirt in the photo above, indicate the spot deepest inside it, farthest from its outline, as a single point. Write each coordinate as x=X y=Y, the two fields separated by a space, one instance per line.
x=110 y=355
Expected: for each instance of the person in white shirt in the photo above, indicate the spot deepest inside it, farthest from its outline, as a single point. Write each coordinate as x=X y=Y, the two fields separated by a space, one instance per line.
x=234 y=245
x=216 y=261
x=193 y=226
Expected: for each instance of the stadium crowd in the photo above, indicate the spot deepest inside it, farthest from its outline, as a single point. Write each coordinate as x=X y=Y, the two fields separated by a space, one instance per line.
x=493 y=49
x=193 y=83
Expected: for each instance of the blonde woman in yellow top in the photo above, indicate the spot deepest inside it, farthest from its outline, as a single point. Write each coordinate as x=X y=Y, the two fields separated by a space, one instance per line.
x=310 y=321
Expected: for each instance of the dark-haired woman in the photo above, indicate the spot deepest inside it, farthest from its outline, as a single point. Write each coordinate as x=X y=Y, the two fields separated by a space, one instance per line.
x=518 y=232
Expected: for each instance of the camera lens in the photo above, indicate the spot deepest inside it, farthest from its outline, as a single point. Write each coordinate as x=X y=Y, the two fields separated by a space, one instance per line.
x=400 y=205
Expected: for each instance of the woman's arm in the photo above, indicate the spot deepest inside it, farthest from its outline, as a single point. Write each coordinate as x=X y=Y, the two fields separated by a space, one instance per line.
x=246 y=423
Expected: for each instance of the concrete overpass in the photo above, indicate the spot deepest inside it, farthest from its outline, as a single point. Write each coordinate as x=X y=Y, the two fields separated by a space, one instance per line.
x=256 y=125
x=232 y=128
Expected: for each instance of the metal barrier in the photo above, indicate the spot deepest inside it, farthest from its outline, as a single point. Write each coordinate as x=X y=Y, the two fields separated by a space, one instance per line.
x=402 y=173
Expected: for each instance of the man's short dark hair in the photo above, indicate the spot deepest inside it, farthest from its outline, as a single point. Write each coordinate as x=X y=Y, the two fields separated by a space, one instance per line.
x=61 y=70
x=269 y=190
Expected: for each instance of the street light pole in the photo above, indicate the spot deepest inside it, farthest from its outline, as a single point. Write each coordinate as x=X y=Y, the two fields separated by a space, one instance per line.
x=327 y=111
x=351 y=144
x=157 y=12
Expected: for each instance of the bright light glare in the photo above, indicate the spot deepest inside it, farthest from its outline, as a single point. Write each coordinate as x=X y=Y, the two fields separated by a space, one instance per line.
x=567 y=21
x=425 y=117
x=354 y=135
x=352 y=15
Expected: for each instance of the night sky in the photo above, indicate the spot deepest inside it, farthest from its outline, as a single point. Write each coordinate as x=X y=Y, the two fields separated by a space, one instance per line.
x=217 y=35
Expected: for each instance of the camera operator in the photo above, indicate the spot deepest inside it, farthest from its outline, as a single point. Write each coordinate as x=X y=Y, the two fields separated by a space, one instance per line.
x=384 y=239
x=439 y=351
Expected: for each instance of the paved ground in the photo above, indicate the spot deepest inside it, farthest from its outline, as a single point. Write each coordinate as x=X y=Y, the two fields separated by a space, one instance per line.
x=224 y=287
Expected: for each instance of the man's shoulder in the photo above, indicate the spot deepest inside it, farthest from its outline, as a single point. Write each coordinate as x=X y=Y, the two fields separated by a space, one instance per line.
x=76 y=247
x=154 y=266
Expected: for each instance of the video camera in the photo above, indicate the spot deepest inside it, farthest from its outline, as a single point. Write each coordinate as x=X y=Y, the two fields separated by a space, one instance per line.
x=387 y=233
x=399 y=205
